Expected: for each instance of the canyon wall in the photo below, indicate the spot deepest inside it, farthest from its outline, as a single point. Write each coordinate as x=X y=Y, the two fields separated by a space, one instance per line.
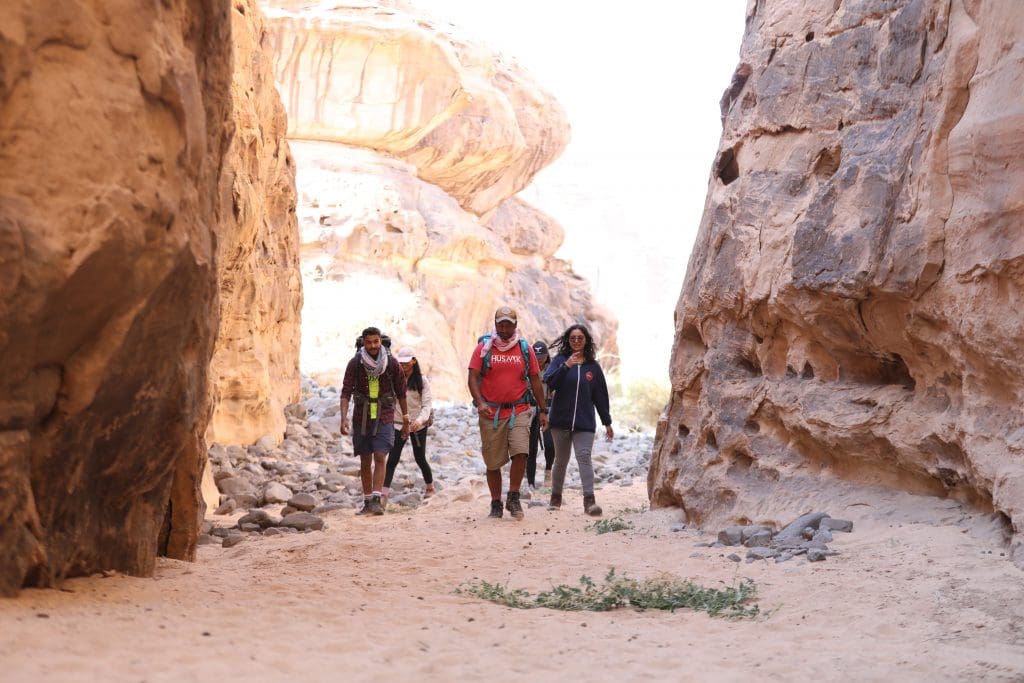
x=411 y=144
x=114 y=124
x=255 y=368
x=851 y=314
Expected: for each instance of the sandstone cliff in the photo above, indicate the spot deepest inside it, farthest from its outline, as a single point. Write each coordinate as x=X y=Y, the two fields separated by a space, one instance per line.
x=255 y=368
x=411 y=144
x=377 y=75
x=850 y=316
x=114 y=123
x=383 y=247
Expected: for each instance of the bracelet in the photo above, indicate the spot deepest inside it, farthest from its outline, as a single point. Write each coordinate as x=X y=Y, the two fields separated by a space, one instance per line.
x=405 y=416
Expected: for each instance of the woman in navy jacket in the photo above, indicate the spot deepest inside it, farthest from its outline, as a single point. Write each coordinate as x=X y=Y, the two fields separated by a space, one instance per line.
x=579 y=388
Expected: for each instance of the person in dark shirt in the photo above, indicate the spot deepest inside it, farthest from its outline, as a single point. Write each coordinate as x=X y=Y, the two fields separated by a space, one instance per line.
x=374 y=381
x=539 y=437
x=579 y=388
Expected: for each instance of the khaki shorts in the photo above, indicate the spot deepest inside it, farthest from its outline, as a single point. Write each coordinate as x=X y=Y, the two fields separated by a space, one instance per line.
x=498 y=445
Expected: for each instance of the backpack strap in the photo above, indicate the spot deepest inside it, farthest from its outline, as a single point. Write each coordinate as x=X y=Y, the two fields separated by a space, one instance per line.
x=486 y=364
x=524 y=347
x=527 y=397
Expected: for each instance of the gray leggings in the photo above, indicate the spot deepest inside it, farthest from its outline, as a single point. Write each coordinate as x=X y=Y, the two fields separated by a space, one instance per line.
x=582 y=443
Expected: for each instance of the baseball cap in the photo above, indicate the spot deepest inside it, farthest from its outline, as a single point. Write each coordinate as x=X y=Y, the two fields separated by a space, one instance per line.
x=404 y=355
x=505 y=313
x=540 y=349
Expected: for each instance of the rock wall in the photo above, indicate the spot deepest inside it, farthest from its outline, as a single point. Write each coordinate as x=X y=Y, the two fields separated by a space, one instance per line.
x=411 y=144
x=114 y=121
x=255 y=368
x=377 y=75
x=383 y=247
x=851 y=312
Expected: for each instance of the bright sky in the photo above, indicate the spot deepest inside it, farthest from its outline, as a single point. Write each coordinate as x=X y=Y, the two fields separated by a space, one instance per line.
x=641 y=83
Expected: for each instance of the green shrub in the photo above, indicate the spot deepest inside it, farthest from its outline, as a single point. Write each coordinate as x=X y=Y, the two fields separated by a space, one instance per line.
x=638 y=404
x=664 y=592
x=605 y=526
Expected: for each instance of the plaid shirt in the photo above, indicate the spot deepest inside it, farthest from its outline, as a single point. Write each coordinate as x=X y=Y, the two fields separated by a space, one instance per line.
x=356 y=382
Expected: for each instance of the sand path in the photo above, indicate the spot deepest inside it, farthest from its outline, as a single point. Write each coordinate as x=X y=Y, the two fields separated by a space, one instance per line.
x=371 y=599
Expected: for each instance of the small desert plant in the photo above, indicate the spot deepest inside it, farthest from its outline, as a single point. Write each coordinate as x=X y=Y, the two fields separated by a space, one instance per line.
x=639 y=509
x=663 y=592
x=638 y=404
x=606 y=526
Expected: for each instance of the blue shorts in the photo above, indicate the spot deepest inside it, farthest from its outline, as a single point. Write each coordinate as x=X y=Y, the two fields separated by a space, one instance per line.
x=380 y=441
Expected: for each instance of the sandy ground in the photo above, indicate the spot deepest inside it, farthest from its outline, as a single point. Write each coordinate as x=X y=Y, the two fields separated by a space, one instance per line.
x=372 y=599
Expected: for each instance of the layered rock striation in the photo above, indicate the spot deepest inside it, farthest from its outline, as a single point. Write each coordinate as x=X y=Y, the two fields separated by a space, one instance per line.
x=411 y=144
x=379 y=76
x=114 y=125
x=850 y=315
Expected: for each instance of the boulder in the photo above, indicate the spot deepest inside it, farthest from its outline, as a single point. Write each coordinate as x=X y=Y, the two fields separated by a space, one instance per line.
x=303 y=521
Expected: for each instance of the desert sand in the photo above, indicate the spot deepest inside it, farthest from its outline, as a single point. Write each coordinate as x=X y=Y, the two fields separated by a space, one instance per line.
x=372 y=599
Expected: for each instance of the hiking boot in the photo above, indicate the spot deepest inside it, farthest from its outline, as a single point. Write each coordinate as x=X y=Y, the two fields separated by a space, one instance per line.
x=590 y=506
x=556 y=501
x=496 y=511
x=375 y=507
x=366 y=507
x=514 y=507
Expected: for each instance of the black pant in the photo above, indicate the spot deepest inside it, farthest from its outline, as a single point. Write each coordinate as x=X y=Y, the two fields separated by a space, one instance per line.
x=419 y=451
x=549 y=450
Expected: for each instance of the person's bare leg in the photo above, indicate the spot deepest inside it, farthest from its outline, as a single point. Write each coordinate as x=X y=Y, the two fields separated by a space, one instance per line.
x=379 y=469
x=516 y=472
x=494 y=483
x=366 y=472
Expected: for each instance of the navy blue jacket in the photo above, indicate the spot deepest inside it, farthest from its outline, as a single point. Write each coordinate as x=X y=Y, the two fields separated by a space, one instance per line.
x=578 y=392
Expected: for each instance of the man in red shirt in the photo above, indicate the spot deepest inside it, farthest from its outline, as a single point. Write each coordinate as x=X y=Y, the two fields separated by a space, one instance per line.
x=502 y=371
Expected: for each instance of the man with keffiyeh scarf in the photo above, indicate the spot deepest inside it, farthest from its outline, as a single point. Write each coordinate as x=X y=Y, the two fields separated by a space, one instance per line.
x=376 y=381
x=501 y=375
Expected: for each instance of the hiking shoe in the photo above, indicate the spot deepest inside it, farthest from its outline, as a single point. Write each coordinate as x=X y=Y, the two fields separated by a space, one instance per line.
x=512 y=504
x=496 y=511
x=590 y=506
x=375 y=508
x=366 y=507
x=556 y=501
x=429 y=491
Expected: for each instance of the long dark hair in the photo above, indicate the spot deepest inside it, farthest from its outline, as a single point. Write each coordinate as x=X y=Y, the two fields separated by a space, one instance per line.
x=415 y=381
x=589 y=349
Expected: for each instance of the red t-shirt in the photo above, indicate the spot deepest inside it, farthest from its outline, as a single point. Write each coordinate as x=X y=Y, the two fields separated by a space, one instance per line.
x=503 y=382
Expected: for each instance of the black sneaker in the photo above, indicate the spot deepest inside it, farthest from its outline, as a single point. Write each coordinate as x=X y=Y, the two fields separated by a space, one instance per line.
x=496 y=511
x=375 y=506
x=365 y=508
x=512 y=504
